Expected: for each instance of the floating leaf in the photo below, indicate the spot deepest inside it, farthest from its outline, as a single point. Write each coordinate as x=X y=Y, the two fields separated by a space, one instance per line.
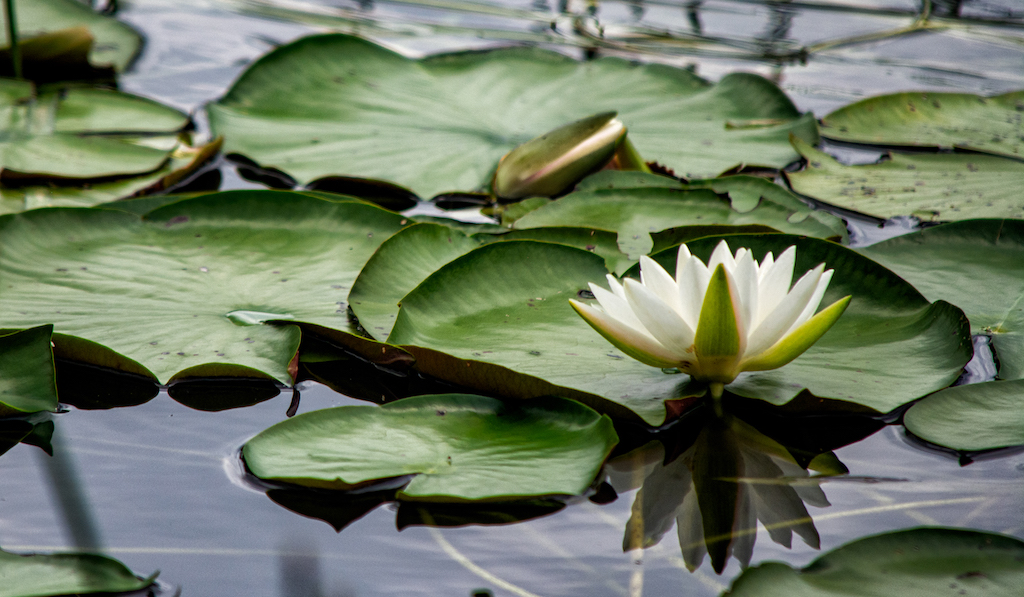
x=182 y=290
x=980 y=416
x=933 y=187
x=116 y=43
x=636 y=213
x=455 y=447
x=498 y=320
x=26 y=372
x=928 y=119
x=922 y=562
x=977 y=265
x=336 y=104
x=46 y=575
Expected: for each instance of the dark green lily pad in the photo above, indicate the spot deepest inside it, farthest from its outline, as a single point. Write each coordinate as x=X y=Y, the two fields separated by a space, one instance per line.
x=336 y=104
x=182 y=290
x=402 y=262
x=26 y=372
x=498 y=320
x=455 y=446
x=182 y=161
x=53 y=575
x=981 y=416
x=117 y=44
x=636 y=213
x=922 y=562
x=927 y=119
x=978 y=266
x=933 y=187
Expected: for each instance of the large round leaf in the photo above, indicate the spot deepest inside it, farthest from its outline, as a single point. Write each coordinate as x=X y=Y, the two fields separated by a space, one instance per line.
x=458 y=446
x=498 y=319
x=635 y=213
x=923 y=562
x=26 y=372
x=976 y=265
x=979 y=416
x=336 y=104
x=81 y=136
x=116 y=44
x=45 y=575
x=933 y=187
x=183 y=287
x=947 y=120
x=402 y=262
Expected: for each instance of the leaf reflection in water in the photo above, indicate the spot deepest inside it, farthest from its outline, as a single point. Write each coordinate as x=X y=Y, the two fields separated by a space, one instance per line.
x=726 y=476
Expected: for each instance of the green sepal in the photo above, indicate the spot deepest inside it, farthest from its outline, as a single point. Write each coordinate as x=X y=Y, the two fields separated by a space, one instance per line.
x=799 y=340
x=717 y=340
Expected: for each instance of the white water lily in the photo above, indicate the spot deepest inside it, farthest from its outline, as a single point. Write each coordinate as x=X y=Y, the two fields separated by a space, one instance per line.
x=717 y=320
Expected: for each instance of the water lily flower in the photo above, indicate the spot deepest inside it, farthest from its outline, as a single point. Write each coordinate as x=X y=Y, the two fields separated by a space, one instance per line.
x=717 y=320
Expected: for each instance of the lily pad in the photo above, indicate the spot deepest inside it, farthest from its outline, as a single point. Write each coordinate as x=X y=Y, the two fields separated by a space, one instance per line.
x=26 y=372
x=117 y=44
x=922 y=562
x=933 y=187
x=981 y=416
x=411 y=255
x=455 y=447
x=81 y=136
x=636 y=213
x=498 y=320
x=183 y=289
x=927 y=119
x=52 y=575
x=402 y=262
x=337 y=104
x=182 y=162
x=978 y=266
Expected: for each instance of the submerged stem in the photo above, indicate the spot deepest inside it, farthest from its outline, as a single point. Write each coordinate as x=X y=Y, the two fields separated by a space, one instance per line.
x=12 y=37
x=717 y=389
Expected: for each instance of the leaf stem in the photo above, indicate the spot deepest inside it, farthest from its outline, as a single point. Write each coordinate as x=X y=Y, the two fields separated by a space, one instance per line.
x=12 y=37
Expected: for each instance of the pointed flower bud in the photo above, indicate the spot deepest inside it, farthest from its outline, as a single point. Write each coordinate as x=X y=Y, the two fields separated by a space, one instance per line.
x=558 y=159
x=717 y=320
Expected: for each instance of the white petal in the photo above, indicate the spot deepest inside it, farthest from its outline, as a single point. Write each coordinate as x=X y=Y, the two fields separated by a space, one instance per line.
x=692 y=279
x=745 y=279
x=657 y=279
x=815 y=300
x=721 y=254
x=682 y=258
x=633 y=342
x=775 y=284
x=765 y=266
x=617 y=308
x=616 y=287
x=780 y=321
x=661 y=321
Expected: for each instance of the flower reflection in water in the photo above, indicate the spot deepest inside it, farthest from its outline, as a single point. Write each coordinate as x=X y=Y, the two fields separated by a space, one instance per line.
x=716 y=490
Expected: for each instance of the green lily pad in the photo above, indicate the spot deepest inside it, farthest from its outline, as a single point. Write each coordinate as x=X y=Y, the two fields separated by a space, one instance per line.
x=337 y=104
x=980 y=416
x=182 y=162
x=402 y=262
x=635 y=213
x=117 y=44
x=498 y=320
x=978 y=266
x=926 y=119
x=26 y=372
x=922 y=562
x=182 y=290
x=52 y=575
x=456 y=446
x=933 y=187
x=77 y=137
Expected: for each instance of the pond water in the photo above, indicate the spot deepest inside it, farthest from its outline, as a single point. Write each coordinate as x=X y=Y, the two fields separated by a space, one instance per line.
x=162 y=486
